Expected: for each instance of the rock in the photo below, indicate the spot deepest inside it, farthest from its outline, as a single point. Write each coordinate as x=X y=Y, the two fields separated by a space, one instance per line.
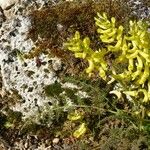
x=2 y=16
x=139 y=9
x=6 y=4
x=20 y=74
x=55 y=140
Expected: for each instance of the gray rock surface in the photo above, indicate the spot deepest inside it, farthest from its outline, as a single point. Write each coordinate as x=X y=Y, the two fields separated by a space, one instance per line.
x=21 y=74
x=139 y=9
x=7 y=3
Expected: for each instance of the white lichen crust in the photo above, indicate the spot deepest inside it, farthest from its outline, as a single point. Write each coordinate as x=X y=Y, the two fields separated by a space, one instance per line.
x=23 y=75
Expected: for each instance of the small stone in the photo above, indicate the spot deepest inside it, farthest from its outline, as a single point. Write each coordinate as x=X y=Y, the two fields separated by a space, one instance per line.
x=47 y=141
x=55 y=140
x=59 y=27
x=26 y=145
x=57 y=65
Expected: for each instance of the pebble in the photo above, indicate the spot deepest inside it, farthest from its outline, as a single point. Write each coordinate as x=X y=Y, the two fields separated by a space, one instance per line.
x=26 y=145
x=55 y=140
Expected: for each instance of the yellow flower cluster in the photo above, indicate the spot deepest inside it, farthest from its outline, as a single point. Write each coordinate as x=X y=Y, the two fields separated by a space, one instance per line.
x=76 y=116
x=134 y=47
x=131 y=48
x=82 y=49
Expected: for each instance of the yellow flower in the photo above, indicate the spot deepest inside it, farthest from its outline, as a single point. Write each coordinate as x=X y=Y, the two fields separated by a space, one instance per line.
x=80 y=131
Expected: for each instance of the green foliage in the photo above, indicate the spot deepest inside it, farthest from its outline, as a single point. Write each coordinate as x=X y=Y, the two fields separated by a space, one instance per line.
x=96 y=96
x=13 y=118
x=53 y=89
x=70 y=105
x=130 y=48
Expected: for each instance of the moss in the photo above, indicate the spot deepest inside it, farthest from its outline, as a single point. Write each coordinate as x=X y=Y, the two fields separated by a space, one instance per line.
x=56 y=23
x=11 y=99
x=53 y=89
x=14 y=117
x=3 y=119
x=30 y=127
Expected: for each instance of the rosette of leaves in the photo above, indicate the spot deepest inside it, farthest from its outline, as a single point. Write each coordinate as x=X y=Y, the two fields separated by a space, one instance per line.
x=131 y=48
